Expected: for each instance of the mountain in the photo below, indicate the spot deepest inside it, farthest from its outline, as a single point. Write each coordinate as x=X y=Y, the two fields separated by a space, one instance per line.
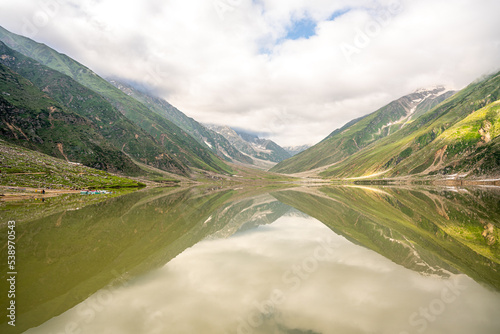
x=206 y=137
x=265 y=148
x=177 y=142
x=22 y=167
x=361 y=132
x=105 y=119
x=458 y=137
x=32 y=119
x=294 y=150
x=264 y=151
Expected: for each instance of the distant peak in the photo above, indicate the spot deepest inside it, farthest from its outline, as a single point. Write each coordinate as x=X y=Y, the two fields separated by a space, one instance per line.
x=432 y=89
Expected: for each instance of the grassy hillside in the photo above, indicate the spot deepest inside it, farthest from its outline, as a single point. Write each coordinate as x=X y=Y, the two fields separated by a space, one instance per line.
x=32 y=119
x=470 y=146
x=457 y=136
x=176 y=141
x=21 y=167
x=206 y=137
x=109 y=122
x=361 y=132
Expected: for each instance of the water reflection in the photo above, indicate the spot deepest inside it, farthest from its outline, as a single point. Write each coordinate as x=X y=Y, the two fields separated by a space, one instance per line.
x=428 y=230
x=379 y=260
x=67 y=256
x=293 y=276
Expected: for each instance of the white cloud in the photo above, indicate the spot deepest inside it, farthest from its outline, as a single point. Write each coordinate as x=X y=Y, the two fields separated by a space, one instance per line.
x=226 y=60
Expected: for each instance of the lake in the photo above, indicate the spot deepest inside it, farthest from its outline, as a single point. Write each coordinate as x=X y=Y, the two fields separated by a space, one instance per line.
x=303 y=260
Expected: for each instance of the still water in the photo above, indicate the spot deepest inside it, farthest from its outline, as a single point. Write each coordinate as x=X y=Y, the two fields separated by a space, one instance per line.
x=312 y=260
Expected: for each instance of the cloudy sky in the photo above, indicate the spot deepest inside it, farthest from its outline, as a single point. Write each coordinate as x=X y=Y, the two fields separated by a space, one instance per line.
x=291 y=70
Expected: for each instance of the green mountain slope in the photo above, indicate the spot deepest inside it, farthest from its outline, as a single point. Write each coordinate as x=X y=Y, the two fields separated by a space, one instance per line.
x=361 y=132
x=22 y=167
x=206 y=137
x=109 y=122
x=31 y=119
x=178 y=143
x=458 y=136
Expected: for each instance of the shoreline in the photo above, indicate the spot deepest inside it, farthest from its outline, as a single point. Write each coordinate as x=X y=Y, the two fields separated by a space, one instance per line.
x=13 y=193
x=431 y=182
x=8 y=193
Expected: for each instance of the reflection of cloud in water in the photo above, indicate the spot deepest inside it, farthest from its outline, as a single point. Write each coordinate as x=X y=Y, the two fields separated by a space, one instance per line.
x=283 y=278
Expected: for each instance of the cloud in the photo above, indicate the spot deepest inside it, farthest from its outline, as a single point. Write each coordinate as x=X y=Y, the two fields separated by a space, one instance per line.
x=230 y=61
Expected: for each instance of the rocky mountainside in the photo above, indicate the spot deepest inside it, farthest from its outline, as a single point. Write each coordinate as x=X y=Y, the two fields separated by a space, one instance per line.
x=361 y=132
x=217 y=143
x=176 y=141
x=252 y=145
x=456 y=138
x=32 y=119
x=294 y=150
x=119 y=131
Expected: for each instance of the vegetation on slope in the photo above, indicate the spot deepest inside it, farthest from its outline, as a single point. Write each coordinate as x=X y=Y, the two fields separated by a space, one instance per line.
x=471 y=146
x=437 y=142
x=178 y=143
x=361 y=132
x=109 y=122
x=31 y=119
x=20 y=167
x=206 y=137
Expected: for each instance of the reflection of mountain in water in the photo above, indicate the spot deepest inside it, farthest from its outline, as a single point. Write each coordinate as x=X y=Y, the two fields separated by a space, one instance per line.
x=70 y=255
x=67 y=256
x=428 y=231
x=247 y=214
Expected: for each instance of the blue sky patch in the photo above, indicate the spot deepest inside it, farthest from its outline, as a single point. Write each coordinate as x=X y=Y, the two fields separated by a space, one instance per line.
x=306 y=27
x=303 y=28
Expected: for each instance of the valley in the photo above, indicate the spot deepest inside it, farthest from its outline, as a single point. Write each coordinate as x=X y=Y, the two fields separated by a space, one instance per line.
x=56 y=106
x=249 y=167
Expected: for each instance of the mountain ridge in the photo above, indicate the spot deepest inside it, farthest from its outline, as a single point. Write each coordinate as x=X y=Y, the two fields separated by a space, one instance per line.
x=361 y=132
x=402 y=153
x=294 y=150
x=429 y=132
x=28 y=114
x=217 y=143
x=251 y=145
x=109 y=122
x=179 y=144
